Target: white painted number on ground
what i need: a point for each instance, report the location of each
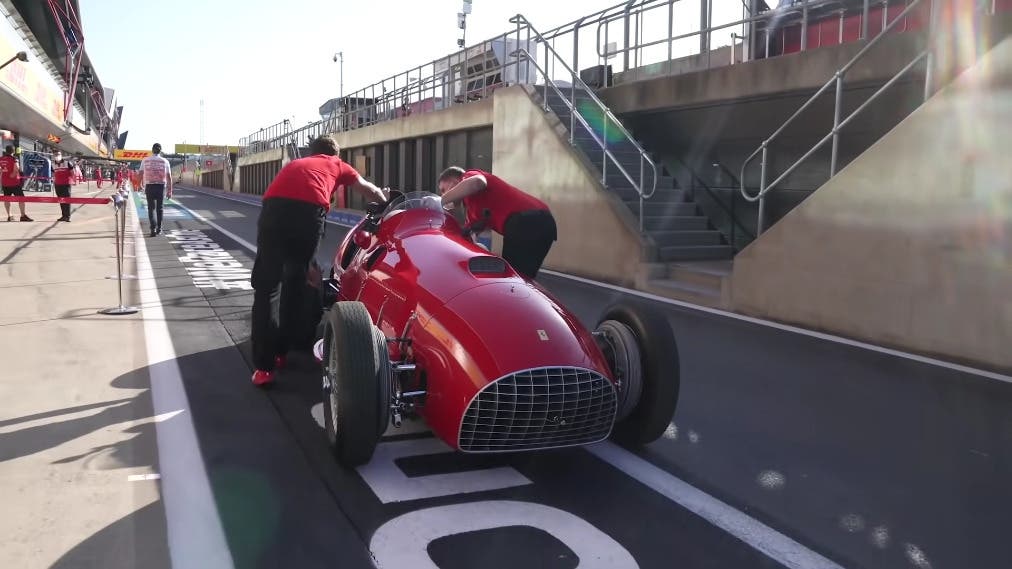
(404, 540)
(208, 264)
(390, 484)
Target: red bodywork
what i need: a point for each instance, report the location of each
(467, 330)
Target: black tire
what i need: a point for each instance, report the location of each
(353, 384)
(659, 364)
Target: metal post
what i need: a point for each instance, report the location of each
(576, 67)
(836, 123)
(517, 51)
(804, 25)
(929, 61)
(546, 75)
(671, 29)
(864, 19)
(885, 13)
(709, 34)
(702, 27)
(604, 154)
(642, 171)
(762, 191)
(119, 205)
(625, 51)
(840, 34)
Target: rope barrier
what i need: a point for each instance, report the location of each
(54, 199)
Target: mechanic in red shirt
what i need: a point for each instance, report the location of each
(63, 175)
(98, 176)
(289, 230)
(527, 226)
(10, 179)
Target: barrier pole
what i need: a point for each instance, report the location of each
(120, 205)
(120, 221)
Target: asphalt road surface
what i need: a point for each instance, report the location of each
(787, 449)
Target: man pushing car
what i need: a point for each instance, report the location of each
(289, 230)
(526, 224)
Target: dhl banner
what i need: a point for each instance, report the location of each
(204, 149)
(134, 155)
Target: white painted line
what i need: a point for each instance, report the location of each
(143, 477)
(758, 535)
(758, 321)
(789, 328)
(244, 202)
(227, 233)
(195, 534)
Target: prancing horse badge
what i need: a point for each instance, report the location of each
(543, 335)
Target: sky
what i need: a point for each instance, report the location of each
(257, 62)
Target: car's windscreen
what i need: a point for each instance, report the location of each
(414, 200)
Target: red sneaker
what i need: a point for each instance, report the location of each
(261, 377)
(279, 362)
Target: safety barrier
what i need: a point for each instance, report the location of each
(119, 201)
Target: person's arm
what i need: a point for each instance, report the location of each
(467, 187)
(369, 190)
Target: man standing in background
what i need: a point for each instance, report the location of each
(10, 179)
(63, 175)
(156, 176)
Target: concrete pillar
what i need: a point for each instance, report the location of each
(389, 164)
(439, 153)
(405, 166)
(425, 178)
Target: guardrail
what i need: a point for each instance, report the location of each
(577, 114)
(839, 123)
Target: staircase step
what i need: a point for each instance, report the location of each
(681, 238)
(664, 210)
(662, 195)
(617, 178)
(696, 252)
(677, 223)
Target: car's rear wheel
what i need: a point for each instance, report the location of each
(356, 383)
(641, 349)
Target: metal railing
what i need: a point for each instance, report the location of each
(599, 134)
(471, 75)
(759, 32)
(266, 138)
(838, 122)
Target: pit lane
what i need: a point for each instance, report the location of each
(751, 430)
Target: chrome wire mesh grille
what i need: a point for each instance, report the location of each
(539, 409)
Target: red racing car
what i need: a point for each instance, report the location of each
(421, 320)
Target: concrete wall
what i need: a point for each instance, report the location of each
(804, 71)
(911, 244)
(594, 240)
(454, 118)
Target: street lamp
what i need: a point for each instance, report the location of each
(19, 55)
(339, 57)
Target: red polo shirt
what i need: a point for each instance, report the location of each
(62, 174)
(9, 168)
(501, 199)
(312, 179)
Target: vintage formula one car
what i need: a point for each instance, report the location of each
(420, 320)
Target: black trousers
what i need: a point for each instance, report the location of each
(63, 192)
(156, 195)
(527, 238)
(288, 235)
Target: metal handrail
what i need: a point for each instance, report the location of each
(838, 124)
(606, 112)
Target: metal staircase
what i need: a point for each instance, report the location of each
(668, 216)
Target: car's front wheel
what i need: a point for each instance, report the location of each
(356, 383)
